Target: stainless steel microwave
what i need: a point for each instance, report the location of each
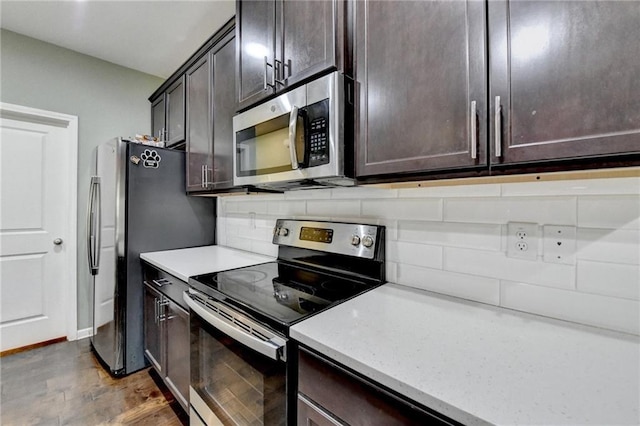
(297, 140)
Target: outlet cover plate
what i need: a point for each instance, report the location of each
(559, 244)
(522, 240)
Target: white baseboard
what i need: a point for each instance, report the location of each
(84, 333)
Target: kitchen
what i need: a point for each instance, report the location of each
(449, 236)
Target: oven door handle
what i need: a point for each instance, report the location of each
(266, 348)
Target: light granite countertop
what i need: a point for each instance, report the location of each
(480, 364)
(184, 263)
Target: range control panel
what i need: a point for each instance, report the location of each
(352, 239)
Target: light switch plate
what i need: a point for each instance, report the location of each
(559, 244)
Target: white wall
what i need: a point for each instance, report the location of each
(108, 99)
(452, 240)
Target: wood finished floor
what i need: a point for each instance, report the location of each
(63, 384)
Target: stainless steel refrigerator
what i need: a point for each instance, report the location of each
(137, 204)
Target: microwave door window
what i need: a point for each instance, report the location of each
(264, 148)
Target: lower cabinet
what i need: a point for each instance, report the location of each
(328, 394)
(166, 333)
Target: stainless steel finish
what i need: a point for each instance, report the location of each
(162, 304)
(343, 236)
(267, 65)
(330, 87)
(57, 241)
(498, 127)
(202, 178)
(355, 240)
(93, 226)
(293, 127)
(367, 241)
(237, 326)
(473, 129)
(161, 282)
(279, 69)
(202, 410)
(156, 315)
(318, 410)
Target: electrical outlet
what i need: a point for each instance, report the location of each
(559, 244)
(522, 240)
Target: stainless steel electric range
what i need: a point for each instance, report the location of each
(243, 364)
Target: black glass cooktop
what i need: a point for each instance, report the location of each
(277, 293)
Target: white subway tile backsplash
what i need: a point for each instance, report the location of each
(403, 209)
(423, 255)
(239, 243)
(391, 269)
(286, 209)
(308, 194)
(266, 248)
(596, 310)
(473, 235)
(452, 191)
(362, 192)
(609, 245)
(469, 287)
(498, 265)
(452, 240)
(238, 206)
(616, 212)
(609, 279)
(334, 208)
(629, 185)
(558, 211)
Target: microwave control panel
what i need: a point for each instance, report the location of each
(318, 133)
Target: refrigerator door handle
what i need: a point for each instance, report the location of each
(93, 226)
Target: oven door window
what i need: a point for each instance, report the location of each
(239, 385)
(265, 148)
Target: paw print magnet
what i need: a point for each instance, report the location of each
(150, 159)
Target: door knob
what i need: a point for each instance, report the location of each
(57, 241)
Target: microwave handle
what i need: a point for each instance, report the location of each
(293, 127)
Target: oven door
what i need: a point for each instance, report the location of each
(238, 368)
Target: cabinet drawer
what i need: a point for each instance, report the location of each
(166, 284)
(354, 400)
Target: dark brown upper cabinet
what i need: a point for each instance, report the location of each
(420, 68)
(283, 42)
(210, 109)
(564, 80)
(168, 114)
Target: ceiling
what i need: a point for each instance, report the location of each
(154, 37)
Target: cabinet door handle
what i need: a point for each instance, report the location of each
(473, 128)
(279, 68)
(155, 310)
(498, 128)
(202, 176)
(267, 65)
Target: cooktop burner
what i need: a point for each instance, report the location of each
(281, 293)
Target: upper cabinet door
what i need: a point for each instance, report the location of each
(567, 77)
(308, 33)
(224, 85)
(421, 76)
(157, 118)
(255, 39)
(199, 155)
(175, 112)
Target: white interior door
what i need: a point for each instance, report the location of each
(38, 172)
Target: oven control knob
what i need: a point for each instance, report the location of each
(367, 241)
(283, 232)
(355, 240)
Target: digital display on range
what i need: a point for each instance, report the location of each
(318, 235)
